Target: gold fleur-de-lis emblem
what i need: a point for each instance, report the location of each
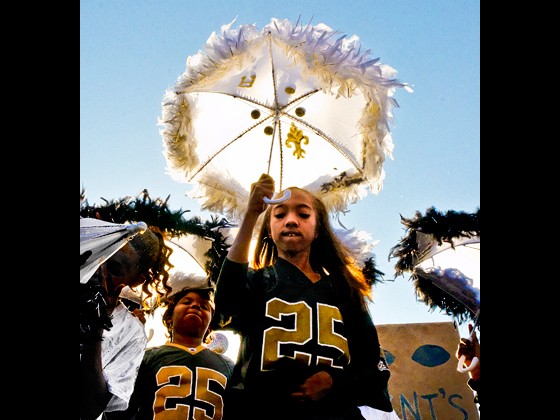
(296, 137)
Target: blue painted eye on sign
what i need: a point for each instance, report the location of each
(424, 382)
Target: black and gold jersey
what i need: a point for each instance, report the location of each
(292, 328)
(189, 383)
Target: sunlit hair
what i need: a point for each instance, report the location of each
(153, 264)
(170, 304)
(328, 253)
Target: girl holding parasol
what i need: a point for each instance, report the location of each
(309, 347)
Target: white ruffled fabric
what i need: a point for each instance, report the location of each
(370, 413)
(122, 352)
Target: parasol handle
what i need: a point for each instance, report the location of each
(460, 367)
(287, 195)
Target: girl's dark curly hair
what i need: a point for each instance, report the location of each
(154, 262)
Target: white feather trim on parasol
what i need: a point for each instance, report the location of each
(358, 242)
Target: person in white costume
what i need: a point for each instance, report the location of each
(113, 340)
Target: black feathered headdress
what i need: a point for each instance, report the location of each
(444, 287)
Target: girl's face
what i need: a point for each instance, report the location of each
(192, 315)
(293, 224)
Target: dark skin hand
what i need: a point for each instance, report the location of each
(139, 313)
(314, 388)
(470, 348)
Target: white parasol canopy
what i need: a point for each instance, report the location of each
(305, 104)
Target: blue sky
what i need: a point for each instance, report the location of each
(131, 52)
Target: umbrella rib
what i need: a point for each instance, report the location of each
(227, 145)
(281, 151)
(299, 98)
(317, 131)
(240, 97)
(276, 112)
(273, 71)
(325, 137)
